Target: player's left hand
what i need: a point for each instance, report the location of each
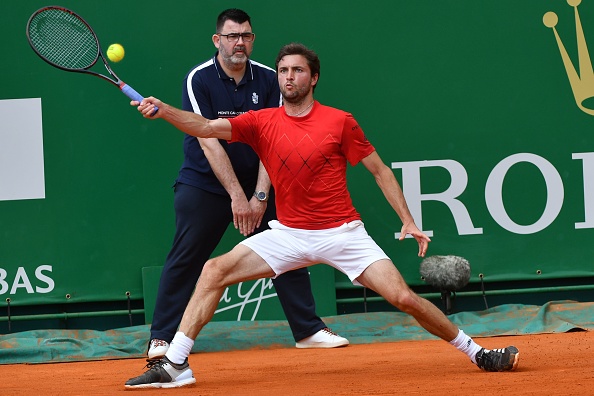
(422, 239)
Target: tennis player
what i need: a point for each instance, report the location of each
(305, 147)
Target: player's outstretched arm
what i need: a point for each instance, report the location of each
(186, 121)
(391, 188)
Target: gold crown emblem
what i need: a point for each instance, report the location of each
(582, 85)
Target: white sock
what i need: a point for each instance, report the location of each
(180, 348)
(465, 344)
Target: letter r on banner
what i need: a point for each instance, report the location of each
(411, 187)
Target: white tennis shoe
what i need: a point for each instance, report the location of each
(324, 338)
(157, 349)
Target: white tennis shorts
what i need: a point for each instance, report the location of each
(348, 248)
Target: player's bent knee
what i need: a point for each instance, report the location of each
(405, 300)
(212, 274)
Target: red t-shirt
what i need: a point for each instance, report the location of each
(306, 160)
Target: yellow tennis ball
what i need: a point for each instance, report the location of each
(115, 52)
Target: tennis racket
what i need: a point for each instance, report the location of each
(66, 41)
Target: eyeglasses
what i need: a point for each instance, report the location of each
(234, 37)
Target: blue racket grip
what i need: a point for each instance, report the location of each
(132, 94)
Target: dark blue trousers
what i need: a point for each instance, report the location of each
(201, 220)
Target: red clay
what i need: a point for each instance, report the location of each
(550, 364)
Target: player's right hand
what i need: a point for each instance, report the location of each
(148, 106)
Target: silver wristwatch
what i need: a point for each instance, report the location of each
(261, 196)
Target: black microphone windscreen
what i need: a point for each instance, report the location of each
(447, 273)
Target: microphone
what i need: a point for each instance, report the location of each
(446, 273)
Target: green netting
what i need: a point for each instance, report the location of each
(42, 346)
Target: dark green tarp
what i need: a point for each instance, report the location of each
(42, 346)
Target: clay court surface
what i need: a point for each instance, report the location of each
(550, 364)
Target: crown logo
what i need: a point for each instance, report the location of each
(582, 85)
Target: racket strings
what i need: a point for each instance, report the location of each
(63, 39)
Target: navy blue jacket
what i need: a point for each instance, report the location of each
(209, 92)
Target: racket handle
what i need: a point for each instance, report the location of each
(132, 94)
